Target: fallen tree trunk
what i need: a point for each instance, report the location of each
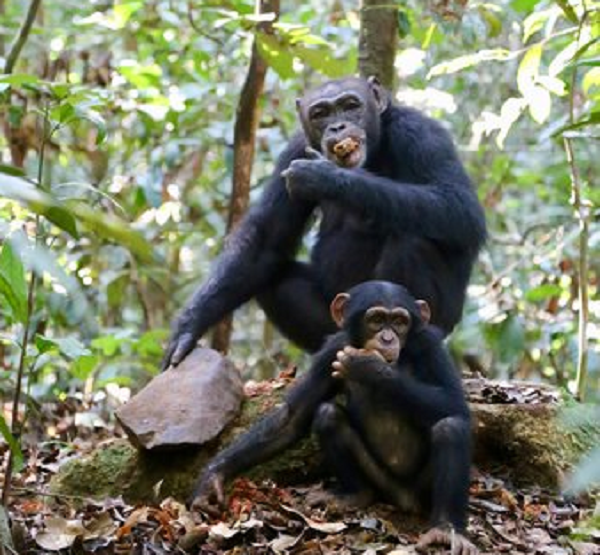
(517, 429)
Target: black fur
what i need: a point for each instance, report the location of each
(409, 216)
(402, 435)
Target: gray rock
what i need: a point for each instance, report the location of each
(186, 405)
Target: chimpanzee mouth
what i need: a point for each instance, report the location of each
(348, 152)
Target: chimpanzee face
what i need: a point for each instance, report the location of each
(379, 316)
(342, 119)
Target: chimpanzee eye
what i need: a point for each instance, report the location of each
(351, 104)
(319, 112)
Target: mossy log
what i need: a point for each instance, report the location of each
(525, 440)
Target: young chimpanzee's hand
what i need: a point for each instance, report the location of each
(350, 358)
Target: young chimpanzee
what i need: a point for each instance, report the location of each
(395, 205)
(402, 433)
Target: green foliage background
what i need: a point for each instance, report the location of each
(132, 105)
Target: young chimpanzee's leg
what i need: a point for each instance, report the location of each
(348, 457)
(451, 455)
(297, 307)
(450, 495)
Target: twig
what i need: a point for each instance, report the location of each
(21, 39)
(582, 215)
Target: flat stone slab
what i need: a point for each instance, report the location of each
(184, 406)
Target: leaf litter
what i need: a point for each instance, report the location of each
(265, 518)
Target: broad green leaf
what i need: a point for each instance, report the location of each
(534, 22)
(124, 9)
(276, 55)
(20, 79)
(540, 103)
(108, 344)
(529, 69)
(95, 119)
(592, 119)
(39, 202)
(511, 339)
(510, 112)
(104, 225)
(13, 286)
(13, 444)
(524, 5)
(323, 62)
(45, 344)
(591, 80)
(568, 11)
(83, 367)
(403, 24)
(71, 348)
(562, 59)
(543, 292)
(111, 228)
(470, 60)
(141, 76)
(12, 170)
(555, 85)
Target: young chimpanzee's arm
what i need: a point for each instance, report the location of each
(430, 392)
(276, 431)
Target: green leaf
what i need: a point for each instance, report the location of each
(276, 55)
(543, 292)
(529, 69)
(12, 170)
(71, 348)
(540, 104)
(534, 22)
(403, 24)
(106, 226)
(322, 61)
(13, 286)
(592, 119)
(524, 5)
(62, 218)
(45, 344)
(511, 339)
(20, 79)
(124, 9)
(13, 444)
(463, 62)
(83, 367)
(568, 11)
(591, 80)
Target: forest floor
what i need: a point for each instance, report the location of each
(262, 517)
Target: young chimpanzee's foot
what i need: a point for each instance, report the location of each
(458, 544)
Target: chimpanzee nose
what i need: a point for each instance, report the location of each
(387, 336)
(337, 127)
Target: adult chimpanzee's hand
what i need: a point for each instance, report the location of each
(309, 178)
(183, 340)
(209, 496)
(351, 358)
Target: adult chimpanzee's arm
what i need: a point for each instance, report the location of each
(264, 241)
(439, 203)
(277, 430)
(430, 393)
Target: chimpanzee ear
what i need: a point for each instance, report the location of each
(337, 308)
(382, 97)
(424, 310)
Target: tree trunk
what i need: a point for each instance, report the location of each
(246, 124)
(378, 41)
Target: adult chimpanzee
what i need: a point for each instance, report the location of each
(395, 204)
(402, 431)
